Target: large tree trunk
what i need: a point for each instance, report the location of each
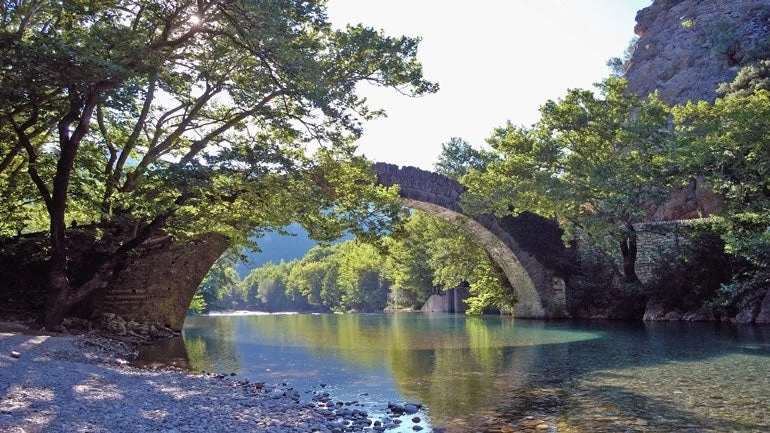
(628, 249)
(57, 306)
(62, 297)
(69, 143)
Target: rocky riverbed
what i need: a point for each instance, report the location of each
(82, 383)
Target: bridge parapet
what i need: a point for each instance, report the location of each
(422, 185)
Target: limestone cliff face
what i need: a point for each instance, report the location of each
(686, 48)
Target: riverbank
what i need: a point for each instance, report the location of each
(82, 383)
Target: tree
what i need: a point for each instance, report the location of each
(407, 263)
(457, 259)
(749, 79)
(431, 253)
(594, 163)
(360, 277)
(619, 65)
(184, 117)
(222, 283)
(458, 157)
(266, 287)
(727, 142)
(311, 275)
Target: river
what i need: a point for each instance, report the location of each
(497, 374)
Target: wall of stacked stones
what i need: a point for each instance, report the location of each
(659, 244)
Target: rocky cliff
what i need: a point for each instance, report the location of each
(686, 48)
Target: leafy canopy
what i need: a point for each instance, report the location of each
(190, 108)
(727, 143)
(593, 162)
(458, 158)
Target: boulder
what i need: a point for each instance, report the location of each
(654, 311)
(746, 313)
(763, 317)
(702, 314)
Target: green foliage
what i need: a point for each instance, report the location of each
(727, 142)
(221, 287)
(342, 277)
(721, 34)
(742, 286)
(593, 163)
(266, 287)
(431, 252)
(750, 78)
(407, 264)
(490, 288)
(358, 276)
(458, 157)
(198, 304)
(619, 65)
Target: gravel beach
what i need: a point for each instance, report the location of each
(67, 383)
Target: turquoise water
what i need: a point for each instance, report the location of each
(494, 373)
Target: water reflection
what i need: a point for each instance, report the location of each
(494, 373)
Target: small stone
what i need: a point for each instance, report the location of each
(541, 427)
(15, 354)
(416, 419)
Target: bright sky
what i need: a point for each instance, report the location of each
(495, 60)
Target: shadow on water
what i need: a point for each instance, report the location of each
(497, 374)
(639, 377)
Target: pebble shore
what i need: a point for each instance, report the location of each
(82, 383)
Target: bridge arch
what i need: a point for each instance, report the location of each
(540, 292)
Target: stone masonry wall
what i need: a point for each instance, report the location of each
(160, 282)
(656, 243)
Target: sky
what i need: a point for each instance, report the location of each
(495, 61)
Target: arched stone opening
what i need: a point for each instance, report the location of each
(541, 293)
(529, 303)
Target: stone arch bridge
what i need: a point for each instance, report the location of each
(160, 282)
(510, 241)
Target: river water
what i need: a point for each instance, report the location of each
(497, 374)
